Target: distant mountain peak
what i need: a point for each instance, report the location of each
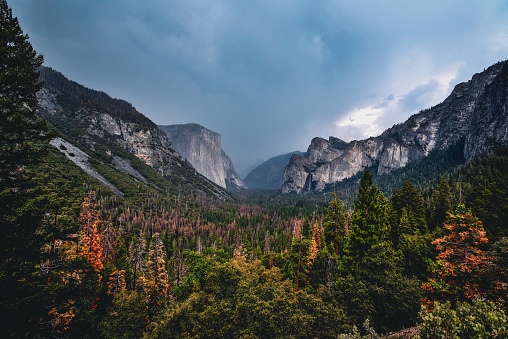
(99, 123)
(203, 149)
(474, 115)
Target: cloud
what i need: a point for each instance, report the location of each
(270, 75)
(386, 101)
(362, 121)
(419, 96)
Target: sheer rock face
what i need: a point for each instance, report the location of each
(475, 113)
(92, 118)
(203, 149)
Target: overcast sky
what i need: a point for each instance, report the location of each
(269, 75)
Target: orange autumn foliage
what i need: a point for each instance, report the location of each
(90, 240)
(314, 246)
(460, 262)
(116, 283)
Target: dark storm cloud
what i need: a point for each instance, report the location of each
(270, 75)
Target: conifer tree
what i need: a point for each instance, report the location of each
(441, 203)
(90, 240)
(334, 225)
(20, 129)
(22, 136)
(315, 246)
(369, 221)
(156, 280)
(408, 213)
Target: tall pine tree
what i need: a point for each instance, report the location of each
(335, 226)
(21, 132)
(441, 204)
(409, 212)
(22, 136)
(369, 224)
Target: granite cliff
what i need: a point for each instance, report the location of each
(475, 114)
(203, 149)
(97, 122)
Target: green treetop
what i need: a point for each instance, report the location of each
(21, 139)
(369, 223)
(20, 129)
(409, 212)
(334, 225)
(441, 204)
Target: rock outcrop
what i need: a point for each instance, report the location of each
(203, 149)
(92, 118)
(112, 128)
(475, 114)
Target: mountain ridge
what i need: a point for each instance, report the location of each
(98, 123)
(476, 105)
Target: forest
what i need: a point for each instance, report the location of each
(416, 253)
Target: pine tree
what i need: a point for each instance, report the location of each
(21, 132)
(22, 136)
(334, 225)
(369, 221)
(116, 283)
(90, 240)
(441, 203)
(315, 246)
(408, 212)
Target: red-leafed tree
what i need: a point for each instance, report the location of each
(90, 240)
(461, 262)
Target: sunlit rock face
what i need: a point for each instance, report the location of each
(203, 149)
(475, 114)
(94, 119)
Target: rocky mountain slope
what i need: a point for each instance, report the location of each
(475, 114)
(268, 175)
(112, 127)
(203, 149)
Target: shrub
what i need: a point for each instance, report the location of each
(355, 334)
(477, 320)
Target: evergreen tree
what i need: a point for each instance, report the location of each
(489, 203)
(410, 209)
(22, 136)
(379, 291)
(156, 281)
(21, 132)
(306, 229)
(369, 221)
(334, 225)
(441, 204)
(409, 229)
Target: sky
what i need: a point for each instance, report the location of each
(270, 75)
